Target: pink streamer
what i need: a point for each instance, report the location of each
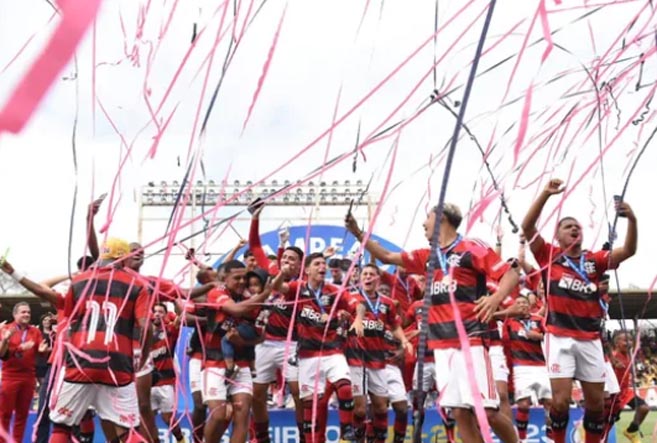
(265, 69)
(524, 122)
(546, 30)
(78, 15)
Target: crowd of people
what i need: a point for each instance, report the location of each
(498, 332)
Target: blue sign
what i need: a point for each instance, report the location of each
(283, 428)
(316, 238)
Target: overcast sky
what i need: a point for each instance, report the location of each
(329, 58)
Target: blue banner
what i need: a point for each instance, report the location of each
(316, 238)
(283, 428)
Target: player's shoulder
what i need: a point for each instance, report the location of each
(389, 300)
(330, 288)
(475, 245)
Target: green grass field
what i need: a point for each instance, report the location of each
(647, 426)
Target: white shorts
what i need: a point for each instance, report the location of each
(147, 368)
(315, 371)
(272, 356)
(217, 388)
(162, 398)
(452, 378)
(611, 382)
(195, 380)
(428, 376)
(568, 357)
(369, 381)
(531, 381)
(396, 387)
(115, 404)
(498, 362)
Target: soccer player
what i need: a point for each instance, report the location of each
(225, 304)
(573, 345)
(19, 344)
(530, 377)
(321, 343)
(621, 359)
(106, 307)
(159, 289)
(165, 336)
(276, 352)
(464, 267)
(366, 352)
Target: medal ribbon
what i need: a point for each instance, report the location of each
(442, 256)
(374, 308)
(317, 295)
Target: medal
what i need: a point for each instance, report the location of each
(447, 280)
(592, 287)
(324, 318)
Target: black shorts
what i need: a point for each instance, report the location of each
(636, 402)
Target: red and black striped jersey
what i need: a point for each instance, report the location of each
(371, 349)
(473, 262)
(316, 337)
(414, 312)
(163, 353)
(218, 324)
(404, 290)
(524, 351)
(105, 307)
(574, 309)
(279, 318)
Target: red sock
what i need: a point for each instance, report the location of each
(87, 424)
(369, 430)
(322, 417)
(522, 420)
(309, 432)
(60, 434)
(594, 424)
(401, 422)
(262, 431)
(345, 402)
(380, 427)
(559, 425)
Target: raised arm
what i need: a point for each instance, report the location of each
(231, 255)
(255, 246)
(41, 291)
(536, 242)
(374, 248)
(618, 255)
(92, 240)
(53, 281)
